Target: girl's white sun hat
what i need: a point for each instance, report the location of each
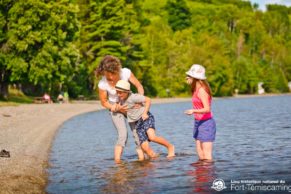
(197, 71)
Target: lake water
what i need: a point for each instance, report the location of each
(253, 143)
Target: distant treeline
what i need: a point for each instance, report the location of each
(53, 46)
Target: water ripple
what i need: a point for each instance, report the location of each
(253, 142)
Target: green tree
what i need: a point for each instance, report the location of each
(106, 30)
(179, 16)
(158, 40)
(38, 42)
(110, 27)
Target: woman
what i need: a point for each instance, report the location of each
(204, 127)
(111, 71)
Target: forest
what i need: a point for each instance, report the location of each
(55, 45)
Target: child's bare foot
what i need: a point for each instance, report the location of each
(154, 155)
(171, 151)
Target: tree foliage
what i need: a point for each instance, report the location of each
(37, 42)
(179, 16)
(58, 44)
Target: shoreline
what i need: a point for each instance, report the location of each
(28, 132)
(257, 95)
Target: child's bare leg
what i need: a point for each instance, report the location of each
(138, 149)
(140, 154)
(162, 141)
(148, 150)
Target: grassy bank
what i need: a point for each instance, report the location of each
(15, 98)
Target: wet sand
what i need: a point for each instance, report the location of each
(27, 131)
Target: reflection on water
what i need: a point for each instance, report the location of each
(203, 175)
(128, 178)
(252, 143)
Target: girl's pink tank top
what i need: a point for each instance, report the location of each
(197, 104)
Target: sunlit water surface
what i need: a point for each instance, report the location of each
(253, 142)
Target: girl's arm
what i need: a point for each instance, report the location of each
(136, 83)
(204, 96)
(206, 106)
(146, 108)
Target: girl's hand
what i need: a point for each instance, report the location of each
(145, 116)
(189, 80)
(137, 105)
(189, 112)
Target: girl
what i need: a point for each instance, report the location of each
(204, 127)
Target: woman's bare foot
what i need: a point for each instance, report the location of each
(118, 161)
(171, 151)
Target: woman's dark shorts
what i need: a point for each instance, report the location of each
(143, 125)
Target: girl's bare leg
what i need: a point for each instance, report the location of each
(199, 150)
(162, 141)
(148, 150)
(207, 150)
(140, 154)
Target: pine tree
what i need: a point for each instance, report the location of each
(179, 15)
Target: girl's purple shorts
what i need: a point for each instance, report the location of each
(204, 130)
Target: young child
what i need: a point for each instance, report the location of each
(205, 126)
(142, 119)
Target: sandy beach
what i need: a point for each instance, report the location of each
(27, 132)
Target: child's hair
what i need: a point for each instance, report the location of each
(204, 84)
(110, 64)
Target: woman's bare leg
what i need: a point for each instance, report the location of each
(117, 153)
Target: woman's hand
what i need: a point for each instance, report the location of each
(189, 112)
(113, 107)
(122, 108)
(145, 116)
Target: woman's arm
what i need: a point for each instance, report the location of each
(136, 83)
(104, 101)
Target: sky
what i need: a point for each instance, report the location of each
(262, 3)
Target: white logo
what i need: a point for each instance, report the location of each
(218, 185)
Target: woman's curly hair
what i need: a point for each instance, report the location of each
(110, 64)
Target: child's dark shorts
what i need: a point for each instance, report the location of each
(142, 126)
(204, 130)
